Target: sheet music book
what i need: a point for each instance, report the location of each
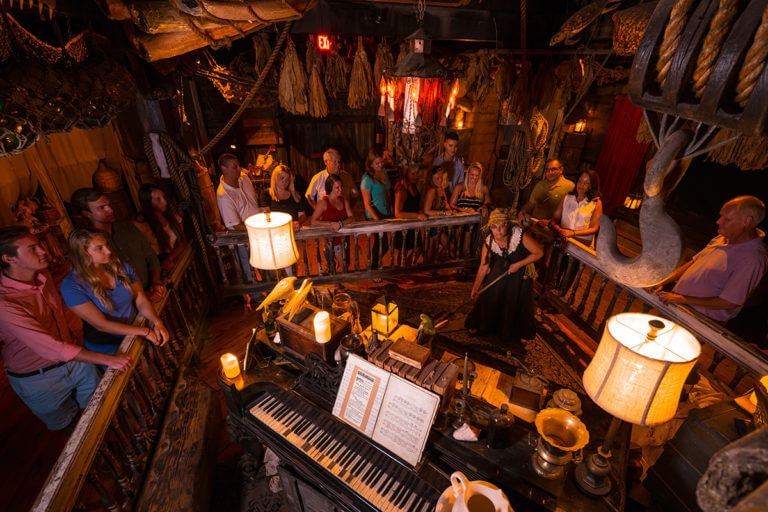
(392, 411)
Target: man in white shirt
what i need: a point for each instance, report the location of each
(316, 189)
(235, 195)
(237, 201)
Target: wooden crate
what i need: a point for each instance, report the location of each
(299, 338)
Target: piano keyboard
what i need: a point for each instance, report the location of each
(383, 482)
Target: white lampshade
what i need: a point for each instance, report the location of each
(271, 239)
(636, 377)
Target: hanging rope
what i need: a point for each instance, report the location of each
(754, 62)
(251, 94)
(713, 42)
(677, 20)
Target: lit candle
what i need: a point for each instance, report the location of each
(230, 366)
(322, 327)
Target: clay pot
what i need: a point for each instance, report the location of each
(107, 179)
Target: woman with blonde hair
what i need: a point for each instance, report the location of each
(282, 196)
(471, 196)
(106, 294)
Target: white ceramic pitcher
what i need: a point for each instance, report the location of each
(477, 496)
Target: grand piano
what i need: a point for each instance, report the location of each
(282, 403)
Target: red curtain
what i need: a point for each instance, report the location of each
(621, 157)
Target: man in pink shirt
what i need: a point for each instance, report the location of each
(47, 369)
(720, 278)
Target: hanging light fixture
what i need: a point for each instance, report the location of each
(271, 238)
(412, 96)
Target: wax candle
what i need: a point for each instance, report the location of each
(322, 327)
(230, 366)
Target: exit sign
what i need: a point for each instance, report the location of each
(323, 42)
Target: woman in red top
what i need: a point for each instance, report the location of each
(333, 211)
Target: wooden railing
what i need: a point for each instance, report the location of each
(103, 463)
(579, 287)
(359, 261)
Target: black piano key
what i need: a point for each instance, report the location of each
(268, 407)
(383, 478)
(400, 496)
(388, 487)
(302, 426)
(370, 473)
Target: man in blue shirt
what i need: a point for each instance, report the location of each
(450, 146)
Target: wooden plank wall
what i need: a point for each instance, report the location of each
(484, 122)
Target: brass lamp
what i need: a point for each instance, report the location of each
(636, 375)
(271, 239)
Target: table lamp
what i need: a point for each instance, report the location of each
(636, 375)
(271, 239)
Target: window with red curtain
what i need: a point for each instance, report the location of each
(621, 157)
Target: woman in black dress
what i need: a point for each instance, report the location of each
(506, 308)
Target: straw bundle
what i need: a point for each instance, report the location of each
(384, 60)
(361, 80)
(505, 77)
(402, 51)
(478, 76)
(335, 73)
(643, 135)
(318, 105)
(293, 83)
(312, 56)
(261, 51)
(749, 153)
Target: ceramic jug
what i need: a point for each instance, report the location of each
(477, 496)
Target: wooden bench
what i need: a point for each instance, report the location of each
(179, 476)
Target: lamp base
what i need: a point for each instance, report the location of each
(593, 475)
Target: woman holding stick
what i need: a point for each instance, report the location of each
(505, 306)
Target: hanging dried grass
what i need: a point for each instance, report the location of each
(749, 153)
(293, 83)
(479, 76)
(335, 73)
(261, 50)
(361, 79)
(643, 135)
(402, 51)
(384, 60)
(505, 77)
(312, 56)
(520, 98)
(318, 105)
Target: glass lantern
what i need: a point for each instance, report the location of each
(384, 316)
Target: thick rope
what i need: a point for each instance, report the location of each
(678, 17)
(251, 94)
(754, 62)
(713, 42)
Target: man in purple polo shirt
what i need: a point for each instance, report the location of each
(719, 279)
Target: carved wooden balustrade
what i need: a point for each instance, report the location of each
(576, 285)
(103, 463)
(356, 264)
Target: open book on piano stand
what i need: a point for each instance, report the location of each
(392, 411)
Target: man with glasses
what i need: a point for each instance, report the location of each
(547, 194)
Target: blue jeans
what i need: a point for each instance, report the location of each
(56, 395)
